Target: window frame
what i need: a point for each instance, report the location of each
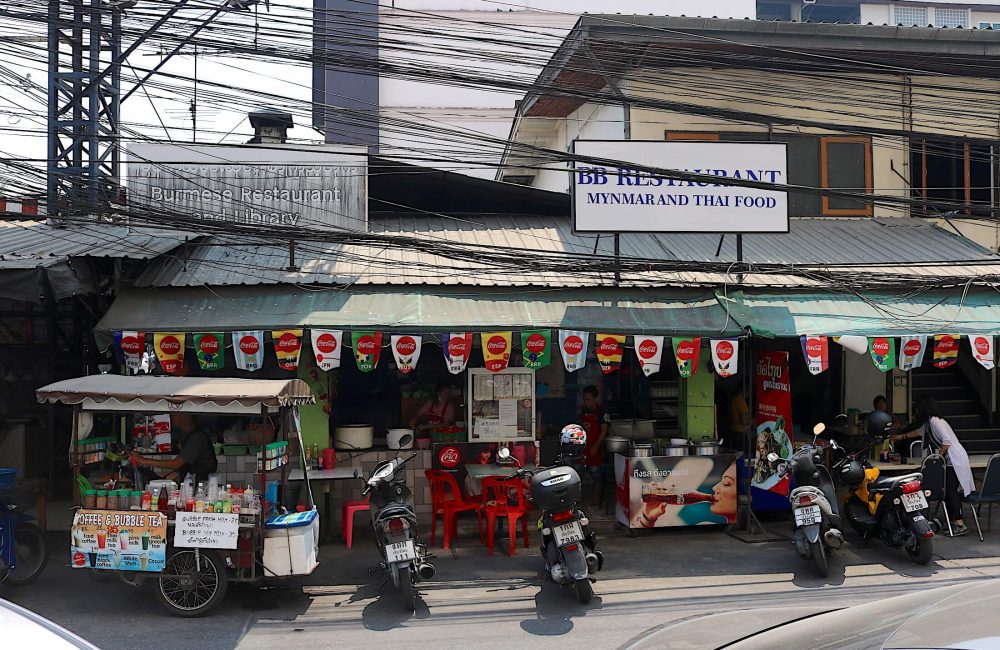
(965, 22)
(869, 208)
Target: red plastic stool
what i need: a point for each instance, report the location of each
(351, 508)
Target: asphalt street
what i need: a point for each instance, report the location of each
(498, 601)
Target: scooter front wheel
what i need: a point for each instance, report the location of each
(922, 553)
(819, 558)
(31, 554)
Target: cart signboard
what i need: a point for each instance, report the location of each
(125, 540)
(206, 530)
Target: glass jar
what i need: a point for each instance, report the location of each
(102, 500)
(135, 500)
(90, 499)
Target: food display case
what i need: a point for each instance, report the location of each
(501, 405)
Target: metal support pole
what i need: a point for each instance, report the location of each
(739, 256)
(618, 261)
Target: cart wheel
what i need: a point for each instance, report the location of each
(188, 590)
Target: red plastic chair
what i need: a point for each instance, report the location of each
(447, 499)
(351, 508)
(505, 497)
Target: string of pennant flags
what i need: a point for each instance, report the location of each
(536, 350)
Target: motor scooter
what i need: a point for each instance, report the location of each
(814, 503)
(23, 549)
(569, 546)
(394, 519)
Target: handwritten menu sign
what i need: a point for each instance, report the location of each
(124, 540)
(206, 530)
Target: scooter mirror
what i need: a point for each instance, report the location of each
(503, 453)
(772, 457)
(834, 445)
(819, 428)
(357, 473)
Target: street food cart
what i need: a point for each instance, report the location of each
(193, 545)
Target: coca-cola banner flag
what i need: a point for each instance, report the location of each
(132, 345)
(210, 350)
(326, 348)
(496, 350)
(457, 348)
(287, 347)
(686, 353)
(535, 348)
(883, 351)
(649, 351)
(573, 347)
(911, 352)
(169, 348)
(816, 351)
(406, 351)
(982, 350)
(726, 356)
(610, 349)
(248, 348)
(945, 350)
(773, 393)
(367, 346)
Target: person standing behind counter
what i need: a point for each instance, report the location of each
(196, 453)
(436, 412)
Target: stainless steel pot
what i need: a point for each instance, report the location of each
(642, 450)
(706, 448)
(616, 445)
(674, 450)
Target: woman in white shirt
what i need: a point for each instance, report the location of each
(939, 437)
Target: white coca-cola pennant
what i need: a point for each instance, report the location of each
(726, 356)
(911, 352)
(248, 348)
(326, 346)
(982, 349)
(406, 351)
(133, 344)
(573, 347)
(649, 350)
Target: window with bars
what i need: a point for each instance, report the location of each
(910, 16)
(951, 17)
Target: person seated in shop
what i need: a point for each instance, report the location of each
(436, 412)
(195, 456)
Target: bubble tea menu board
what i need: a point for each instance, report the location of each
(125, 540)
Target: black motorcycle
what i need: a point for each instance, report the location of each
(394, 519)
(569, 546)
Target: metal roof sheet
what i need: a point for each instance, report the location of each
(899, 246)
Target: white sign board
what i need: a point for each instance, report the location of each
(616, 197)
(274, 186)
(206, 530)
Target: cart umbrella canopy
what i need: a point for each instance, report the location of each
(145, 393)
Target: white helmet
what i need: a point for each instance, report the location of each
(573, 434)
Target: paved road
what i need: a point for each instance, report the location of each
(498, 601)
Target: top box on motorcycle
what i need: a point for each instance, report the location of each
(556, 488)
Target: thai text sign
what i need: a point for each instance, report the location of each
(618, 197)
(206, 530)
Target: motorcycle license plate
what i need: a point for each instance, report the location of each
(401, 551)
(568, 533)
(807, 516)
(914, 501)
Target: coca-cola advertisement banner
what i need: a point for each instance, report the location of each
(287, 347)
(911, 352)
(406, 351)
(816, 351)
(945, 350)
(883, 351)
(773, 395)
(610, 349)
(248, 349)
(496, 350)
(649, 351)
(664, 491)
(536, 348)
(209, 348)
(455, 457)
(326, 346)
(132, 346)
(367, 347)
(457, 348)
(686, 353)
(169, 348)
(982, 349)
(573, 348)
(726, 356)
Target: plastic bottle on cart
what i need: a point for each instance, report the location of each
(237, 497)
(162, 499)
(147, 500)
(199, 498)
(227, 499)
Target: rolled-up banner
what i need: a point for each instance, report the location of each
(883, 351)
(982, 349)
(132, 345)
(248, 349)
(816, 352)
(911, 352)
(536, 348)
(573, 347)
(610, 348)
(649, 351)
(726, 356)
(209, 349)
(687, 352)
(367, 347)
(287, 347)
(406, 351)
(169, 348)
(457, 348)
(856, 344)
(945, 350)
(496, 350)
(326, 345)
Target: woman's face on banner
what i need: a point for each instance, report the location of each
(725, 495)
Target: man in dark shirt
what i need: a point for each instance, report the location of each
(196, 453)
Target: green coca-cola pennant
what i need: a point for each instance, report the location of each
(367, 346)
(210, 349)
(883, 351)
(536, 348)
